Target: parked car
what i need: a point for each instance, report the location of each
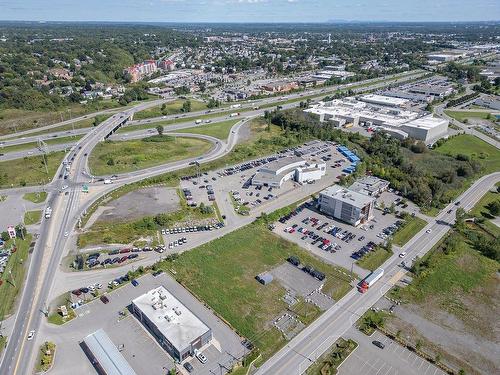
(200, 356)
(188, 367)
(104, 299)
(134, 282)
(378, 344)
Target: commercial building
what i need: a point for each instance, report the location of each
(139, 71)
(276, 173)
(104, 355)
(488, 101)
(174, 326)
(397, 122)
(280, 86)
(436, 91)
(386, 101)
(349, 206)
(370, 185)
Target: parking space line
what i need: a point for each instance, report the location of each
(428, 367)
(416, 359)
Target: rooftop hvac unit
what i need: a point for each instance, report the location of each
(167, 318)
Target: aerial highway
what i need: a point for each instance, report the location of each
(317, 338)
(19, 355)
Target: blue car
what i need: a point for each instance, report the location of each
(134, 282)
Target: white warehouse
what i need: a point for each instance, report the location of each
(388, 117)
(276, 173)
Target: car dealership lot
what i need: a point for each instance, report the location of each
(341, 250)
(394, 359)
(140, 348)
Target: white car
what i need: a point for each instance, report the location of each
(31, 335)
(200, 356)
(402, 255)
(66, 234)
(64, 187)
(428, 231)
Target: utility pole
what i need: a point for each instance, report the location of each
(42, 146)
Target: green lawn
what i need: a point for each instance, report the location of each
(171, 109)
(37, 197)
(218, 130)
(13, 275)
(222, 274)
(462, 115)
(125, 156)
(29, 170)
(484, 153)
(374, 259)
(460, 282)
(480, 210)
(412, 226)
(126, 232)
(32, 217)
(32, 145)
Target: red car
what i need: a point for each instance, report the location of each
(104, 299)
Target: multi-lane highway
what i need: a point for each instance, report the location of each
(19, 354)
(314, 340)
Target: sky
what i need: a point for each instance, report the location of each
(250, 10)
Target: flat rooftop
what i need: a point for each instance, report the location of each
(386, 100)
(427, 122)
(282, 163)
(174, 320)
(107, 354)
(347, 196)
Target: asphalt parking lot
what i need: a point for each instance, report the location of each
(394, 359)
(344, 250)
(140, 348)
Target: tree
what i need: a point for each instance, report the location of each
(460, 215)
(5, 236)
(160, 129)
(186, 106)
(494, 208)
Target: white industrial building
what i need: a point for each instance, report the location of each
(386, 101)
(175, 327)
(276, 173)
(396, 121)
(347, 205)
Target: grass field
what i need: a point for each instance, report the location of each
(127, 232)
(374, 259)
(484, 153)
(29, 170)
(38, 197)
(480, 210)
(13, 275)
(462, 282)
(125, 156)
(412, 226)
(32, 217)
(172, 108)
(462, 115)
(218, 130)
(222, 274)
(32, 145)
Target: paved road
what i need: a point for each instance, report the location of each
(439, 110)
(313, 341)
(20, 354)
(27, 133)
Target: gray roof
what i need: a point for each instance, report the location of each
(106, 353)
(368, 184)
(174, 320)
(281, 163)
(347, 196)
